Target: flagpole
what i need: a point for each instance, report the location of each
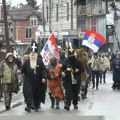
(44, 22)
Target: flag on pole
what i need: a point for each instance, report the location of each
(50, 49)
(93, 40)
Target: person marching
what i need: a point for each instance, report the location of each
(54, 82)
(34, 80)
(71, 72)
(95, 65)
(84, 75)
(104, 66)
(9, 79)
(116, 72)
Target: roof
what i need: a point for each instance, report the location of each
(23, 12)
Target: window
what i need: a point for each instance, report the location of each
(82, 22)
(11, 30)
(67, 11)
(33, 21)
(28, 33)
(57, 12)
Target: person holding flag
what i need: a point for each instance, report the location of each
(50, 49)
(94, 41)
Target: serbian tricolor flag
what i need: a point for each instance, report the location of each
(93, 40)
(50, 49)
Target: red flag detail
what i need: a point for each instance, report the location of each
(52, 39)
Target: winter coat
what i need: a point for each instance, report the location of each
(105, 64)
(7, 74)
(95, 64)
(9, 79)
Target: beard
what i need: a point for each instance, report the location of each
(33, 60)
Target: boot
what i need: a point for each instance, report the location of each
(104, 81)
(7, 107)
(93, 87)
(39, 107)
(83, 95)
(113, 87)
(78, 98)
(36, 110)
(32, 105)
(57, 103)
(28, 109)
(75, 107)
(52, 100)
(67, 107)
(97, 88)
(52, 103)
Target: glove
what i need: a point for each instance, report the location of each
(43, 80)
(63, 74)
(76, 70)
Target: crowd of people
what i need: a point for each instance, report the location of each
(66, 79)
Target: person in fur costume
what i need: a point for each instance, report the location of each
(84, 75)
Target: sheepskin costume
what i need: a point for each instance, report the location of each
(80, 55)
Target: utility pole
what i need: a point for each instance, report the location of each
(6, 25)
(107, 37)
(44, 22)
(116, 22)
(71, 14)
(50, 16)
(114, 7)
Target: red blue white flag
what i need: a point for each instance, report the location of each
(50, 49)
(93, 40)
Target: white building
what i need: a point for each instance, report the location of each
(61, 18)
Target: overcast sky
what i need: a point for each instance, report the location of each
(15, 2)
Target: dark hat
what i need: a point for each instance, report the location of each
(70, 51)
(34, 46)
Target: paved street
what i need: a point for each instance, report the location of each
(103, 102)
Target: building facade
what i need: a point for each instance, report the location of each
(23, 24)
(70, 21)
(60, 17)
